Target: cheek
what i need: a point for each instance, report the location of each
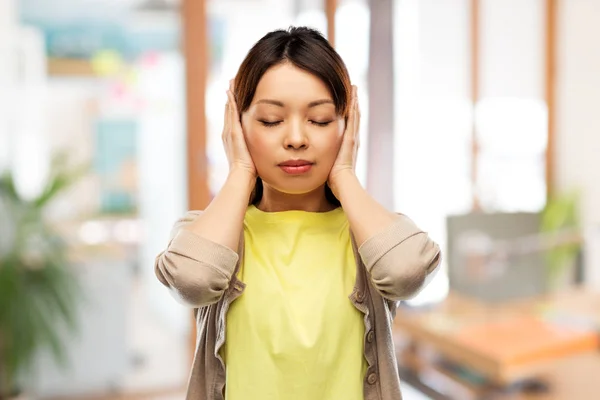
(256, 145)
(334, 138)
(253, 137)
(260, 146)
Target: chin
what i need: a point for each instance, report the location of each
(294, 188)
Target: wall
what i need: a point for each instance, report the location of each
(578, 118)
(7, 26)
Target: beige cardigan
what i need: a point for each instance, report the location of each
(393, 265)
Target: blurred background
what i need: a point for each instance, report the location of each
(480, 121)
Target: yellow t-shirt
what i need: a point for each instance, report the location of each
(294, 334)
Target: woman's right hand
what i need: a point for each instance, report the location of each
(233, 139)
(222, 220)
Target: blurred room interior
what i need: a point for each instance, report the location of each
(479, 120)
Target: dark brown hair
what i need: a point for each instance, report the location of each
(306, 49)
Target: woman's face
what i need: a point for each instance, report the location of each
(292, 130)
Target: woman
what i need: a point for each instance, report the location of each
(295, 290)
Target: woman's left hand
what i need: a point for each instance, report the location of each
(346, 158)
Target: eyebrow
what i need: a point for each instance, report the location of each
(280, 104)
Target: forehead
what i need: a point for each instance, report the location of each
(290, 84)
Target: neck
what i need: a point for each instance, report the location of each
(274, 201)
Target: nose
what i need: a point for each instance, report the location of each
(295, 137)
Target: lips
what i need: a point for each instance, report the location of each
(295, 163)
(296, 167)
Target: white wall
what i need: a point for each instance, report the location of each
(578, 113)
(7, 27)
(162, 177)
(433, 114)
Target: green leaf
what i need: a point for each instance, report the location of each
(60, 180)
(39, 294)
(561, 213)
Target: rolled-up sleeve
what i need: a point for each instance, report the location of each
(195, 269)
(400, 259)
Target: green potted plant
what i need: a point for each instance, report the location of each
(38, 291)
(560, 218)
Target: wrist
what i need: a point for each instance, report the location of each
(241, 179)
(343, 183)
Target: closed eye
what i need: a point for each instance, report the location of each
(321, 123)
(269, 124)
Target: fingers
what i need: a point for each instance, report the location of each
(234, 121)
(354, 101)
(230, 109)
(353, 108)
(229, 113)
(226, 124)
(353, 122)
(356, 118)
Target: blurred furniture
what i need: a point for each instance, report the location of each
(572, 378)
(466, 349)
(500, 256)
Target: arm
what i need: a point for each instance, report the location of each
(397, 254)
(201, 256)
